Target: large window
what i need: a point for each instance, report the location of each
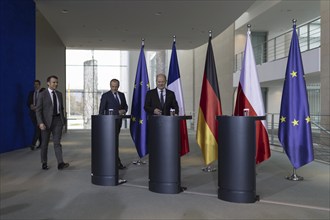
(88, 75)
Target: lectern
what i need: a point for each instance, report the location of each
(236, 155)
(105, 149)
(164, 144)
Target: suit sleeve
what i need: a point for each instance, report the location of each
(175, 104)
(124, 103)
(148, 104)
(39, 116)
(63, 115)
(103, 105)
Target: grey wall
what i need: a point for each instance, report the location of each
(50, 54)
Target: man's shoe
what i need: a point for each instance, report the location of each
(38, 147)
(121, 181)
(32, 147)
(121, 167)
(45, 166)
(183, 188)
(62, 165)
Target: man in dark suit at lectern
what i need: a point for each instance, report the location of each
(160, 101)
(114, 101)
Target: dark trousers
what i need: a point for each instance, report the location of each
(37, 131)
(118, 126)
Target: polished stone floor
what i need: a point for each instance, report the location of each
(28, 192)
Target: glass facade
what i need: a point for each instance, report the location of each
(88, 75)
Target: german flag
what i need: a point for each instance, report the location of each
(209, 108)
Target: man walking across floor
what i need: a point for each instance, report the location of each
(50, 119)
(32, 104)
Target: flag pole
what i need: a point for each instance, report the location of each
(294, 176)
(249, 28)
(246, 110)
(209, 168)
(294, 21)
(139, 161)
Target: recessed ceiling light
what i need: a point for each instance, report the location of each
(158, 13)
(64, 11)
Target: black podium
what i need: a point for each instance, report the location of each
(164, 144)
(105, 149)
(236, 158)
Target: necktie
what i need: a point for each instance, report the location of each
(116, 97)
(161, 99)
(54, 103)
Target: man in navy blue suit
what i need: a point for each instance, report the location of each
(116, 101)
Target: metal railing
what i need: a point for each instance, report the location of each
(320, 135)
(278, 47)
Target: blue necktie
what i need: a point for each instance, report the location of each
(116, 97)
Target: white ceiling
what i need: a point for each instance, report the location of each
(276, 16)
(121, 24)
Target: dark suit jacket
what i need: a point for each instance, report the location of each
(44, 111)
(152, 102)
(108, 101)
(30, 98)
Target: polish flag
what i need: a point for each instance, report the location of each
(249, 97)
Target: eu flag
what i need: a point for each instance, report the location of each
(295, 123)
(138, 125)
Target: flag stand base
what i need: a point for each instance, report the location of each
(139, 162)
(294, 176)
(209, 169)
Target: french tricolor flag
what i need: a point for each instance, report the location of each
(174, 84)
